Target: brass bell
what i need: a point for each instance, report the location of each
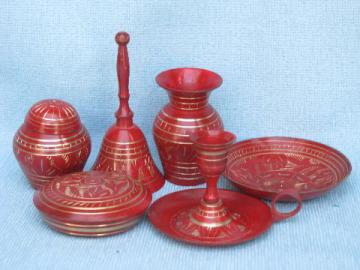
(124, 148)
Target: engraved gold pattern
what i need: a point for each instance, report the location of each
(81, 191)
(57, 108)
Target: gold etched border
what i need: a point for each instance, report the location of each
(167, 132)
(159, 118)
(188, 119)
(78, 134)
(170, 141)
(123, 143)
(49, 147)
(54, 125)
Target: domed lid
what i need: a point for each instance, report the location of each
(93, 197)
(52, 116)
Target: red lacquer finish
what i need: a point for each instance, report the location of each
(188, 112)
(264, 167)
(124, 148)
(92, 203)
(51, 142)
(211, 217)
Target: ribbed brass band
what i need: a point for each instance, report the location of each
(93, 229)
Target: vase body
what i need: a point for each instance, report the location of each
(187, 114)
(51, 142)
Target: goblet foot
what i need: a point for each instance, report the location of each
(210, 220)
(185, 217)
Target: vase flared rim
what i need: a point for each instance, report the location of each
(189, 80)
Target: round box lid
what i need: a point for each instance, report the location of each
(52, 116)
(93, 203)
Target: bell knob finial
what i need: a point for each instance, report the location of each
(122, 38)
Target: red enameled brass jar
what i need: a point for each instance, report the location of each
(92, 203)
(187, 113)
(51, 142)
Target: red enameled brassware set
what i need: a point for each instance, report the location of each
(52, 147)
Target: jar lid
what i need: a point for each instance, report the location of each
(52, 116)
(93, 203)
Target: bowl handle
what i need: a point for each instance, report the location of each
(278, 216)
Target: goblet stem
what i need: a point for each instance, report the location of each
(211, 193)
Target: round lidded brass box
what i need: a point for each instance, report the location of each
(93, 203)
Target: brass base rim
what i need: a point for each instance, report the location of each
(95, 230)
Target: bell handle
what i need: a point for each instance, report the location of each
(124, 114)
